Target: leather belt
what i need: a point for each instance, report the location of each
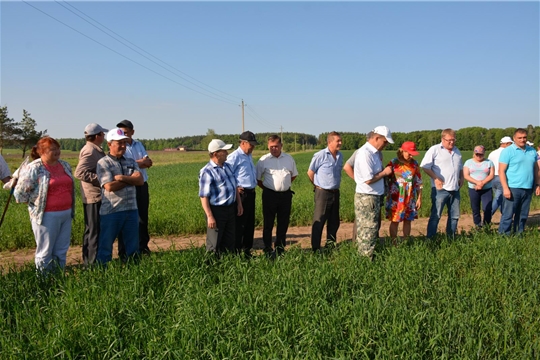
(329, 190)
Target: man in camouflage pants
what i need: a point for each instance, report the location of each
(369, 177)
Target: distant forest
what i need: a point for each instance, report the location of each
(467, 139)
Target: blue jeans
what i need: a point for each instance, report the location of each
(497, 196)
(484, 198)
(440, 198)
(515, 211)
(111, 226)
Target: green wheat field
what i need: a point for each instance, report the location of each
(475, 296)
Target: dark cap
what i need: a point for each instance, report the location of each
(249, 137)
(125, 124)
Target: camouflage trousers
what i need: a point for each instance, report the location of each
(368, 213)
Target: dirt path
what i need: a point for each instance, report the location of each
(298, 236)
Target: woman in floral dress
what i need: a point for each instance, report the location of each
(404, 190)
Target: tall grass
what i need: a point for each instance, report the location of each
(474, 297)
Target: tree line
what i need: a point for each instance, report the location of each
(22, 134)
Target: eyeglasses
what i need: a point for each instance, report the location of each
(449, 140)
(479, 154)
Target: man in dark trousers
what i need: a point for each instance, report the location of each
(241, 162)
(136, 151)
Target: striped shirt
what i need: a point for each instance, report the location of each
(119, 200)
(218, 184)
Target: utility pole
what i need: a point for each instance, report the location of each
(294, 142)
(281, 127)
(242, 115)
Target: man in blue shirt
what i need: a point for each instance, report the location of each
(325, 174)
(518, 172)
(136, 151)
(218, 192)
(241, 162)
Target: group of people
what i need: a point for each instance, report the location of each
(114, 193)
(227, 189)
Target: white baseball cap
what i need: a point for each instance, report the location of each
(530, 143)
(384, 131)
(116, 134)
(216, 145)
(506, 139)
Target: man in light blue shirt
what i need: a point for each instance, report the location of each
(135, 150)
(442, 163)
(241, 162)
(325, 174)
(518, 172)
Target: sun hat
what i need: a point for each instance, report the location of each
(409, 147)
(116, 134)
(94, 129)
(384, 131)
(479, 149)
(506, 139)
(216, 145)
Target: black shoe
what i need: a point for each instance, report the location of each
(146, 251)
(248, 254)
(330, 244)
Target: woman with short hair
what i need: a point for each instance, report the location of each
(47, 187)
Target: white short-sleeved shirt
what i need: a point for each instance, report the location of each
(494, 157)
(447, 165)
(4, 168)
(367, 164)
(276, 173)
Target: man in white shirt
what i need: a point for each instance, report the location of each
(275, 173)
(442, 163)
(496, 182)
(369, 176)
(5, 174)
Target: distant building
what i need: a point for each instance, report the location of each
(178, 148)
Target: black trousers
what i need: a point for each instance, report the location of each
(222, 238)
(276, 204)
(143, 203)
(326, 211)
(91, 232)
(245, 224)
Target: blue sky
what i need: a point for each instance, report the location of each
(308, 67)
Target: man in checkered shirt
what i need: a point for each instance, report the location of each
(118, 177)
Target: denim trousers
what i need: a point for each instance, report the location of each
(440, 199)
(497, 195)
(515, 211)
(481, 198)
(111, 226)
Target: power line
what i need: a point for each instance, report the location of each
(138, 52)
(122, 55)
(259, 119)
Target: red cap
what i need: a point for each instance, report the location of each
(409, 147)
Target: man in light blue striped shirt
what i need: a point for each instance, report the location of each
(218, 192)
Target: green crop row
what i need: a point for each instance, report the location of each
(175, 206)
(474, 297)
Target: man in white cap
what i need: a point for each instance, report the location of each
(218, 192)
(118, 177)
(369, 176)
(89, 156)
(496, 182)
(443, 164)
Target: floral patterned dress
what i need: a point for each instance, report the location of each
(403, 187)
